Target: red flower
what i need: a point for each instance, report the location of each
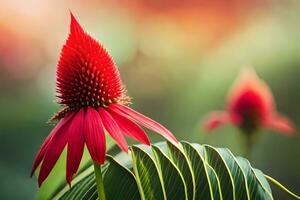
(94, 99)
(250, 106)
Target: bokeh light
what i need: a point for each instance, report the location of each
(177, 58)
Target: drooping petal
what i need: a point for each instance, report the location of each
(130, 129)
(113, 129)
(75, 144)
(215, 120)
(94, 135)
(281, 124)
(41, 153)
(54, 149)
(145, 121)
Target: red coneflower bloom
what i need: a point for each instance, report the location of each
(250, 106)
(94, 99)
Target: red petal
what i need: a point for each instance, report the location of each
(94, 135)
(145, 121)
(41, 153)
(55, 147)
(281, 124)
(113, 129)
(214, 120)
(75, 145)
(130, 129)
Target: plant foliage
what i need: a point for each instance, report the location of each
(166, 171)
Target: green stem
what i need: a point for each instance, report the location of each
(249, 143)
(282, 187)
(99, 181)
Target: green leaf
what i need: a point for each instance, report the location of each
(181, 161)
(166, 171)
(146, 171)
(256, 189)
(120, 182)
(217, 162)
(203, 189)
(215, 183)
(82, 189)
(236, 173)
(172, 178)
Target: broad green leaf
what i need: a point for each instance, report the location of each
(215, 183)
(256, 190)
(217, 162)
(165, 171)
(236, 172)
(83, 185)
(82, 189)
(181, 161)
(120, 182)
(203, 188)
(147, 175)
(172, 178)
(262, 180)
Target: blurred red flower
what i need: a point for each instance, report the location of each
(250, 106)
(94, 99)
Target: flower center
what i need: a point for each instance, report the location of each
(250, 109)
(86, 74)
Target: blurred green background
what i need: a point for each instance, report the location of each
(177, 59)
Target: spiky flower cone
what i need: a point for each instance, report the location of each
(94, 100)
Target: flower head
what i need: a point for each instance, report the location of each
(250, 106)
(94, 100)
